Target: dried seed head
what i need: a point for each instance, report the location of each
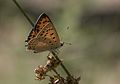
(40, 72)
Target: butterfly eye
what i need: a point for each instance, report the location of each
(62, 44)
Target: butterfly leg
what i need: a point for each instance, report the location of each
(35, 51)
(56, 51)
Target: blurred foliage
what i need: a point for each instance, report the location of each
(93, 31)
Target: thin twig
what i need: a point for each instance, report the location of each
(56, 72)
(21, 9)
(62, 65)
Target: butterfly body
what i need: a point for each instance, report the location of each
(43, 36)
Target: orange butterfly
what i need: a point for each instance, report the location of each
(43, 36)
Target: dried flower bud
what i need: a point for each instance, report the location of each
(52, 63)
(40, 72)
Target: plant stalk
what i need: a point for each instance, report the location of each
(21, 9)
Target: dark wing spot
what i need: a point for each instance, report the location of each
(41, 19)
(55, 41)
(46, 33)
(37, 30)
(43, 31)
(39, 22)
(51, 33)
(37, 26)
(44, 38)
(45, 21)
(41, 34)
(49, 41)
(33, 36)
(53, 37)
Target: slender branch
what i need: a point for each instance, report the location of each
(62, 65)
(61, 78)
(56, 72)
(21, 9)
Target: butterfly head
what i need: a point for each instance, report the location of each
(65, 43)
(62, 43)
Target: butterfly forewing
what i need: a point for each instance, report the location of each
(49, 35)
(40, 23)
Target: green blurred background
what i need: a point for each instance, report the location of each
(94, 31)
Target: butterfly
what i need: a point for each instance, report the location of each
(43, 36)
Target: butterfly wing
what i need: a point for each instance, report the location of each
(40, 23)
(46, 37)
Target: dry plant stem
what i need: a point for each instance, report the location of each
(56, 72)
(30, 21)
(62, 65)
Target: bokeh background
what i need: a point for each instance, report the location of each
(94, 31)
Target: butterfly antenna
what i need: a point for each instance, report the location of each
(67, 43)
(68, 27)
